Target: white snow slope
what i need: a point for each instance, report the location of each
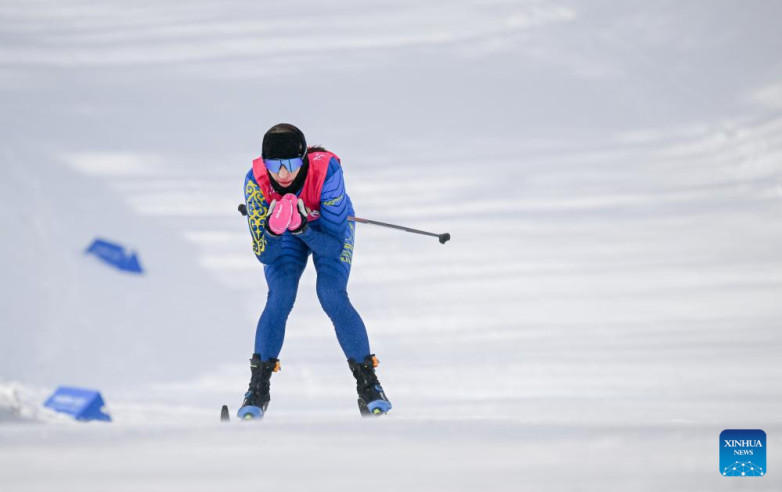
(610, 172)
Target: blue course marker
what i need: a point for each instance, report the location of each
(81, 404)
(114, 254)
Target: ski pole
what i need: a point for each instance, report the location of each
(442, 237)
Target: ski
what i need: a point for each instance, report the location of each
(373, 409)
(250, 412)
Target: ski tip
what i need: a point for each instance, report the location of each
(379, 407)
(225, 416)
(250, 413)
(373, 409)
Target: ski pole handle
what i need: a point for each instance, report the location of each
(443, 238)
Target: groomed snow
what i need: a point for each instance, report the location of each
(610, 173)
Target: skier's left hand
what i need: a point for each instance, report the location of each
(303, 212)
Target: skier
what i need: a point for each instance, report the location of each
(296, 205)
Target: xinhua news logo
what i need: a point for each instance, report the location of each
(743, 453)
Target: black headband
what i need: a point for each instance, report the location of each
(283, 145)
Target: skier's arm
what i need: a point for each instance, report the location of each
(267, 247)
(329, 238)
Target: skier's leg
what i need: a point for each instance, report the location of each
(331, 286)
(333, 275)
(282, 278)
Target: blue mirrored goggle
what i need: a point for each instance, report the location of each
(291, 165)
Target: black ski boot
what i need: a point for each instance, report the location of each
(257, 397)
(371, 398)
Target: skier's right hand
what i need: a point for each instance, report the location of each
(278, 217)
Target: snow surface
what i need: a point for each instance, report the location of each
(610, 172)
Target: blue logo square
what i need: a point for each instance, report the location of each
(743, 453)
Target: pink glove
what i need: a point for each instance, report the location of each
(296, 217)
(280, 215)
(300, 212)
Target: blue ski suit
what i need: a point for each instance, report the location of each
(330, 240)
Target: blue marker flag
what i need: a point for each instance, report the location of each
(114, 255)
(82, 404)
